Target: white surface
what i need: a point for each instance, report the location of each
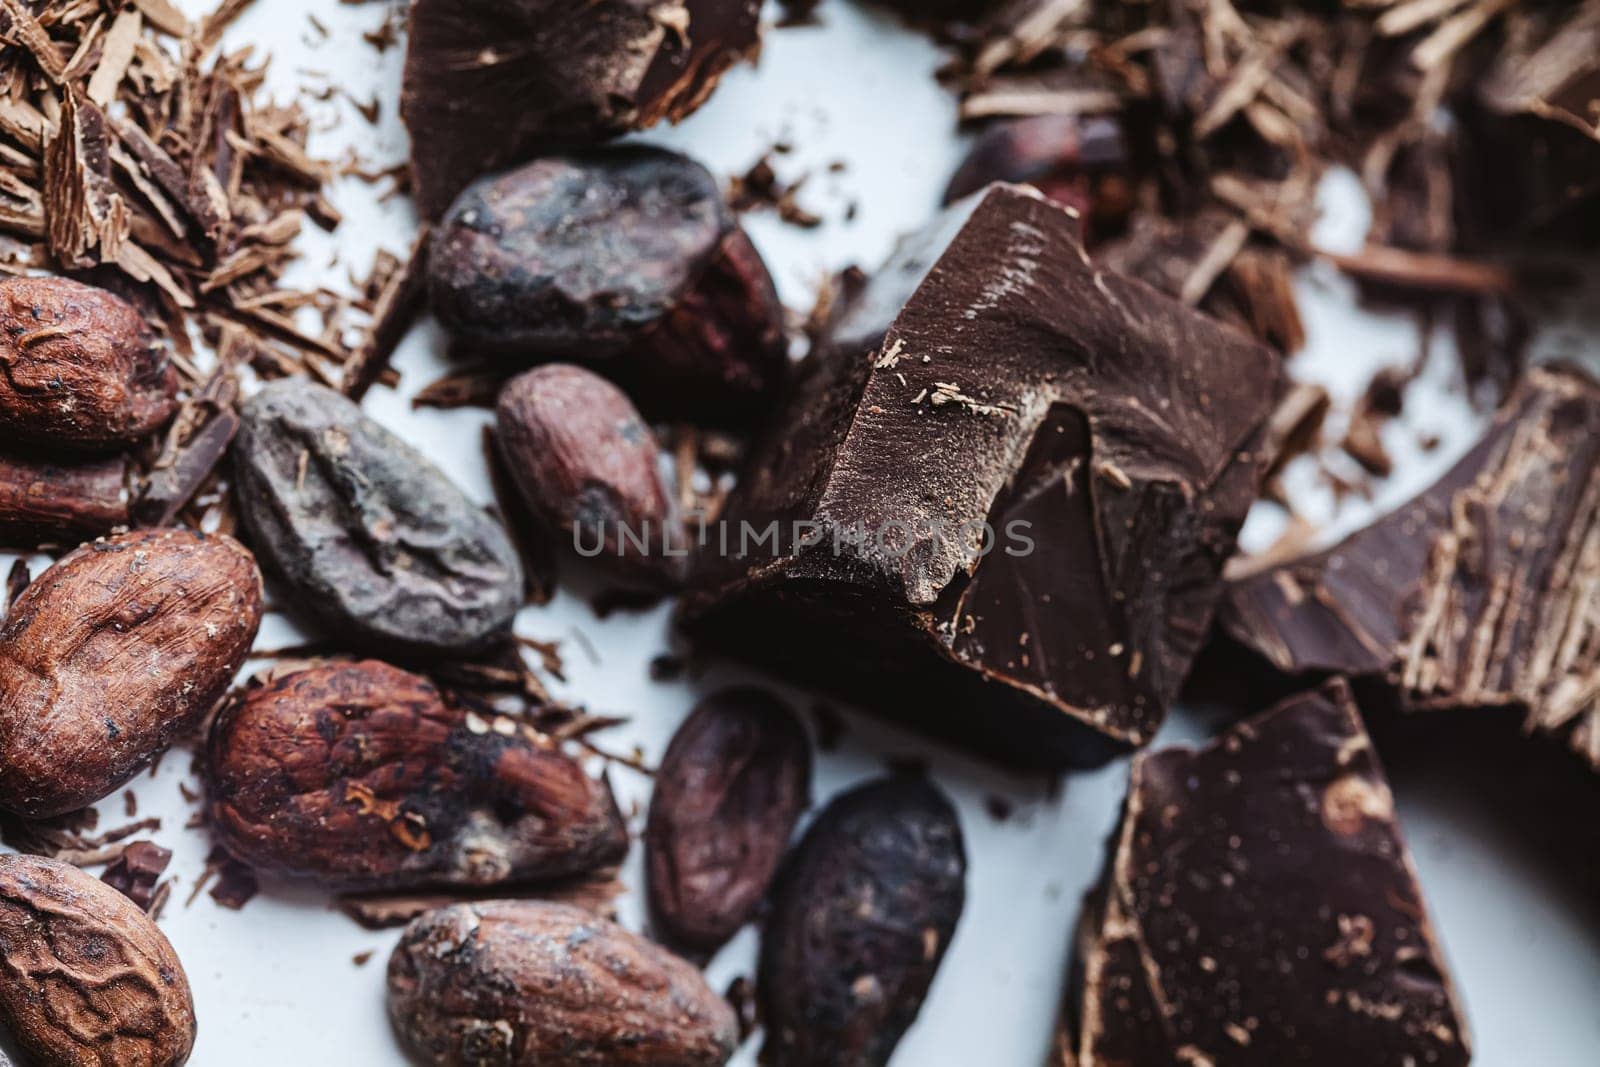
(275, 984)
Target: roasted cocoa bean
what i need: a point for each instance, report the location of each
(727, 796)
(1079, 161)
(361, 775)
(588, 466)
(519, 983)
(580, 73)
(110, 654)
(90, 980)
(79, 368)
(43, 500)
(863, 913)
(374, 540)
(625, 259)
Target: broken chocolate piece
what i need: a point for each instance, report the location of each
(1259, 908)
(625, 260)
(1478, 594)
(135, 873)
(492, 82)
(992, 388)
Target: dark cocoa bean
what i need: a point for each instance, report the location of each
(90, 980)
(862, 916)
(113, 652)
(374, 540)
(361, 775)
(519, 983)
(79, 368)
(728, 793)
(43, 500)
(1079, 161)
(580, 72)
(624, 259)
(588, 466)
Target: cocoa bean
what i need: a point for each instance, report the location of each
(90, 980)
(374, 541)
(524, 983)
(362, 776)
(626, 260)
(588, 467)
(727, 796)
(108, 655)
(79, 368)
(861, 918)
(42, 500)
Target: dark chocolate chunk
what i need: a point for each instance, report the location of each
(135, 873)
(1483, 592)
(492, 82)
(1259, 908)
(991, 373)
(623, 259)
(375, 541)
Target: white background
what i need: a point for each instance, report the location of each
(276, 984)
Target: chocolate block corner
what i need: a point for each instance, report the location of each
(1259, 908)
(999, 496)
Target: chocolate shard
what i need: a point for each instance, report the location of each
(578, 71)
(1480, 593)
(1259, 908)
(992, 374)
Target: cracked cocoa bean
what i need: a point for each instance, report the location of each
(863, 913)
(363, 776)
(79, 368)
(375, 541)
(727, 796)
(520, 983)
(588, 467)
(42, 499)
(626, 260)
(90, 980)
(113, 652)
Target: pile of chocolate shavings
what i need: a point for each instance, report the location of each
(1474, 125)
(135, 155)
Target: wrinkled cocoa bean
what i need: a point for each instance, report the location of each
(79, 368)
(863, 913)
(580, 73)
(588, 467)
(113, 652)
(524, 983)
(626, 260)
(375, 541)
(42, 500)
(727, 796)
(90, 980)
(362, 776)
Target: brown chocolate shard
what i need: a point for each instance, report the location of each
(993, 374)
(1260, 908)
(1480, 593)
(579, 72)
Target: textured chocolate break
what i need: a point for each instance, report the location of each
(1259, 909)
(1483, 592)
(992, 372)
